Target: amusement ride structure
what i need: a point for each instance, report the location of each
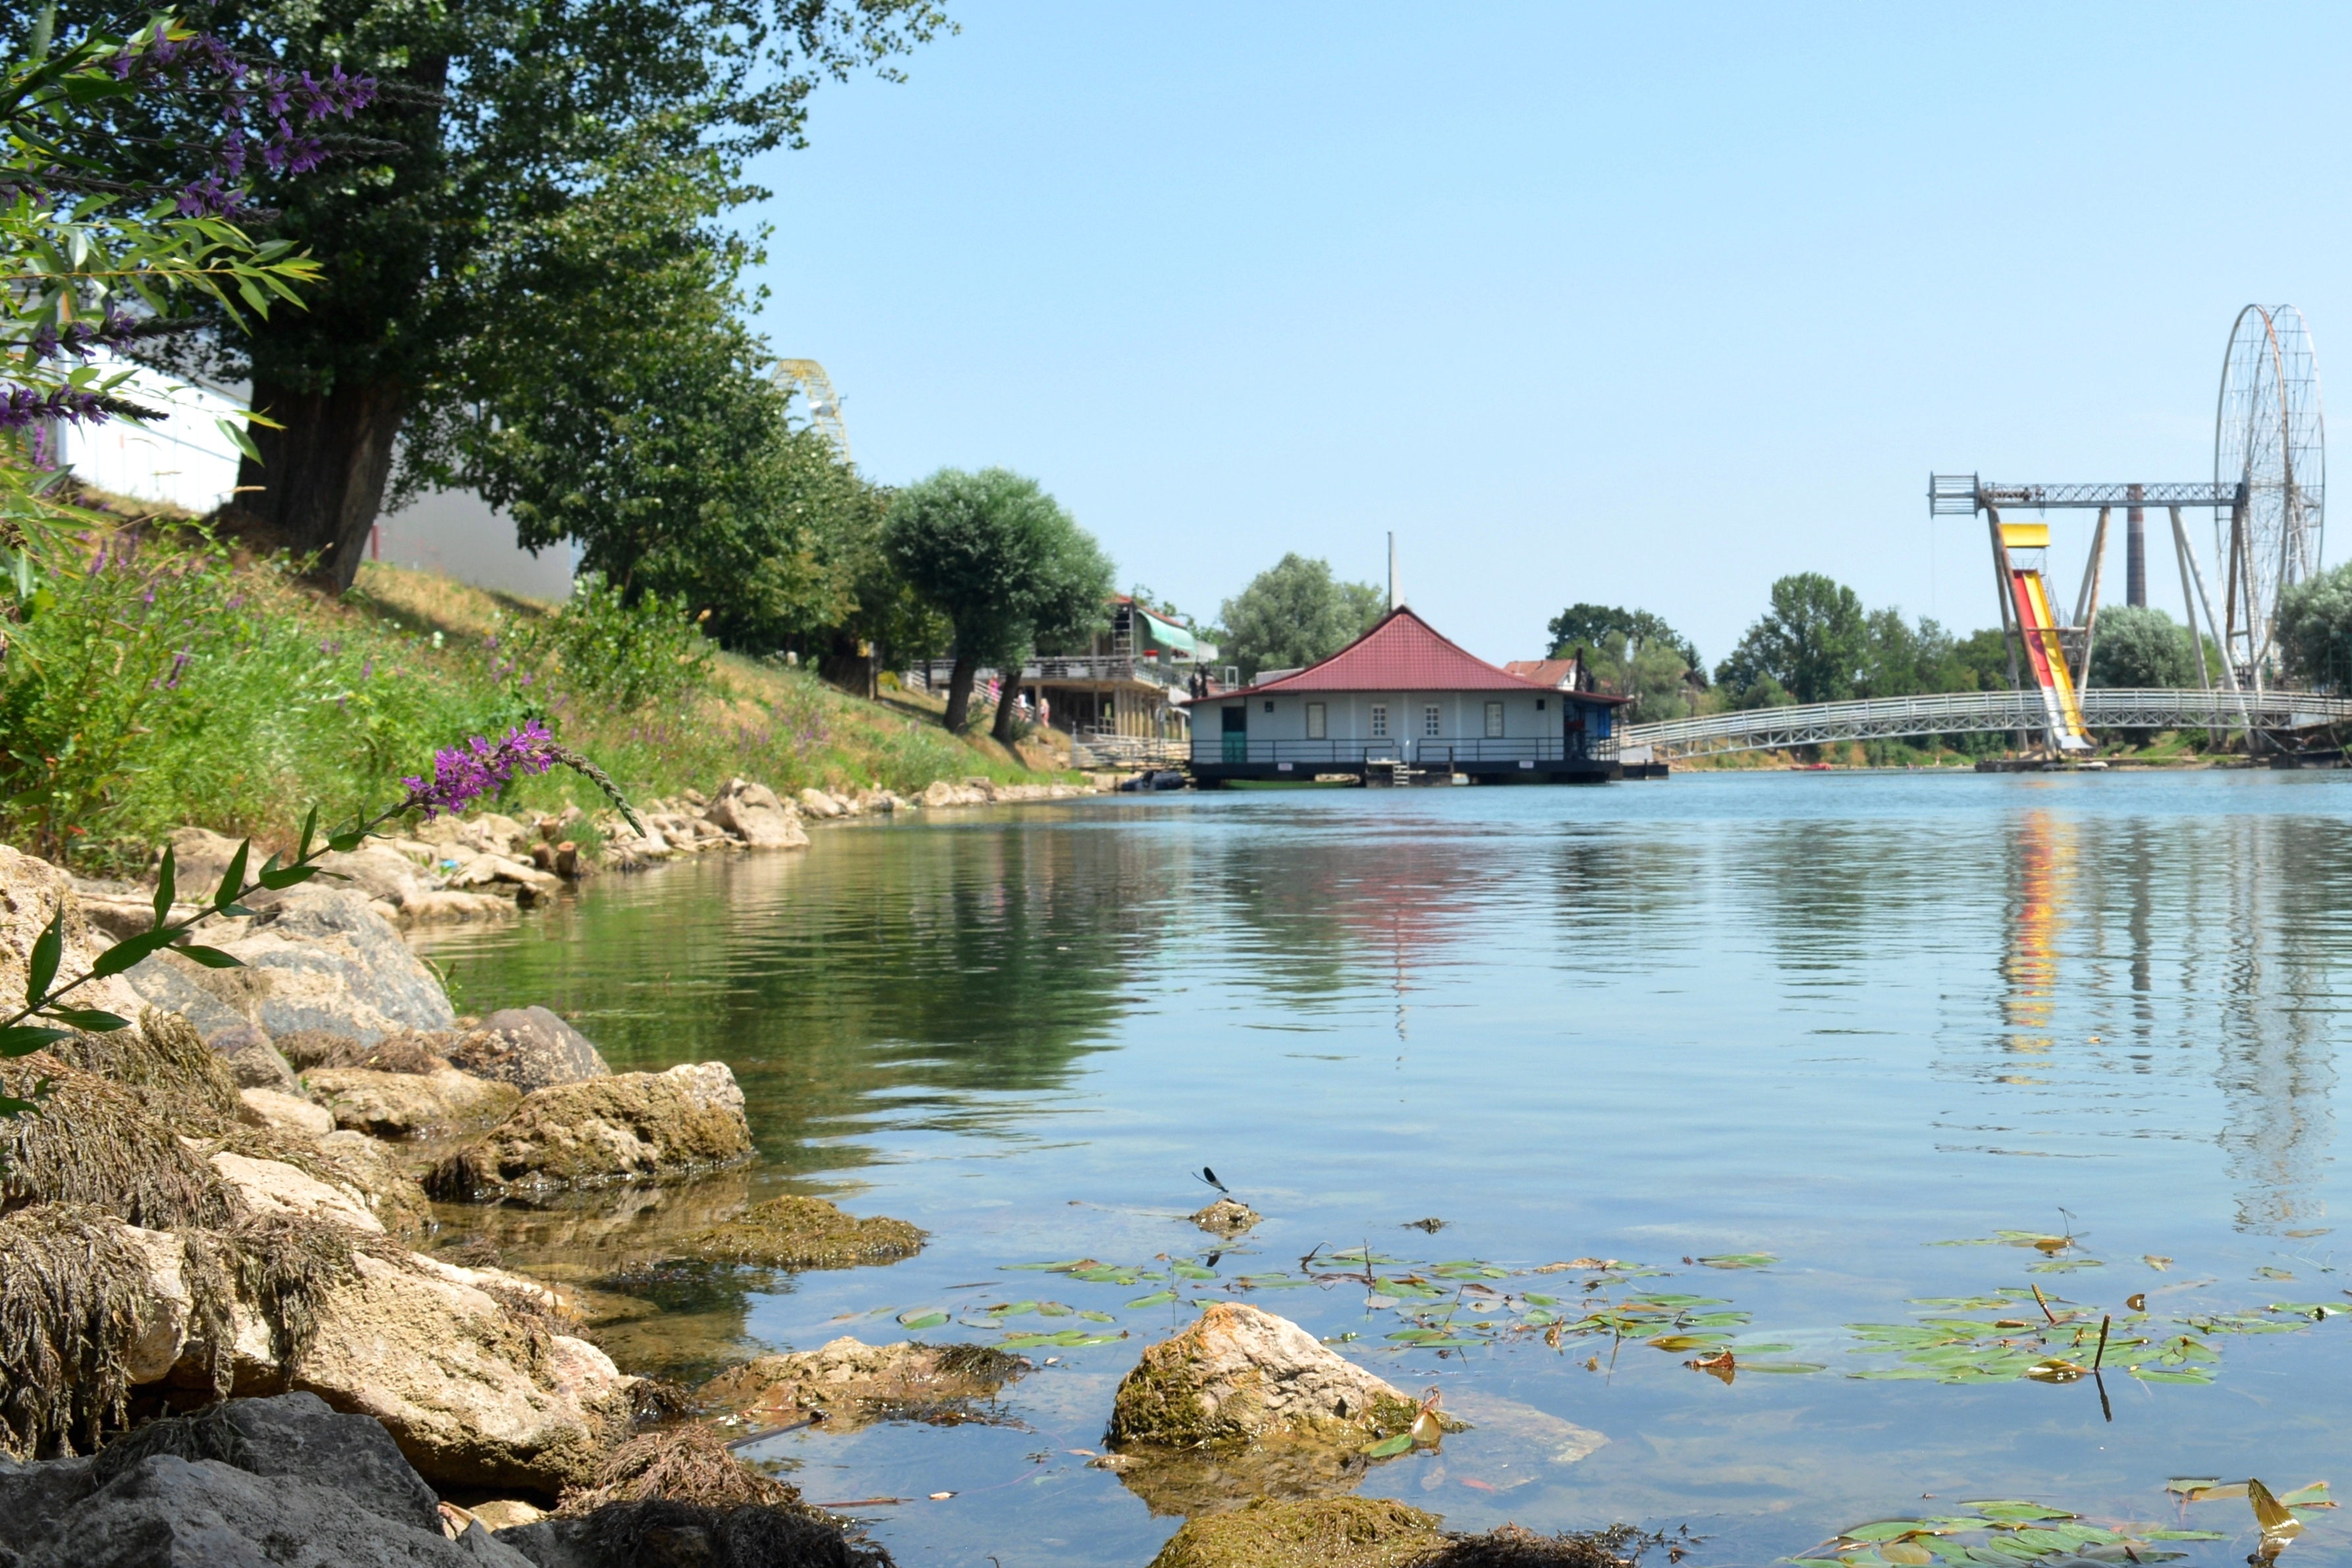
(2267, 497)
(823, 403)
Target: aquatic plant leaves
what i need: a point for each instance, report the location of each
(1388, 1448)
(1067, 1339)
(1157, 1299)
(2313, 1495)
(925, 1317)
(1739, 1260)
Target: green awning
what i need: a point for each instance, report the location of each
(1156, 632)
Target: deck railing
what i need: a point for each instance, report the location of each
(935, 674)
(1212, 747)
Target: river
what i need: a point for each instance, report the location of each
(1809, 1027)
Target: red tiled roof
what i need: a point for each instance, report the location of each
(1403, 654)
(1543, 672)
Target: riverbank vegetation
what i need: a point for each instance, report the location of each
(174, 677)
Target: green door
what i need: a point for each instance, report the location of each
(1237, 732)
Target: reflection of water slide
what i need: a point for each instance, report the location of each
(2038, 631)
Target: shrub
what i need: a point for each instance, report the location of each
(631, 655)
(2141, 646)
(2315, 631)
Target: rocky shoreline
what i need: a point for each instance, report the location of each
(228, 1338)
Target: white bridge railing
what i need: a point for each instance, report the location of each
(1959, 712)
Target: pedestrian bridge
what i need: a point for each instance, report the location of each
(1962, 713)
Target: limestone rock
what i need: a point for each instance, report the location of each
(273, 1187)
(409, 1104)
(506, 1513)
(817, 803)
(377, 871)
(30, 891)
(490, 870)
(850, 1383)
(1238, 1374)
(530, 1047)
(752, 813)
(318, 959)
(253, 1061)
(630, 1126)
(939, 792)
(288, 1113)
(474, 1393)
(445, 907)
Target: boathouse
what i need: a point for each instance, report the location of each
(1402, 703)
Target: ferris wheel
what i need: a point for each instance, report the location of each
(2269, 447)
(823, 403)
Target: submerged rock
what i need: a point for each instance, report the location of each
(1238, 1374)
(530, 1047)
(409, 1104)
(1374, 1532)
(794, 1232)
(1227, 1217)
(850, 1384)
(262, 1481)
(630, 1126)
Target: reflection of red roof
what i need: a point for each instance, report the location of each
(1403, 654)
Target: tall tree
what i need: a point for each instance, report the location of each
(2140, 645)
(2315, 631)
(507, 115)
(1591, 626)
(1294, 613)
(1005, 564)
(1813, 643)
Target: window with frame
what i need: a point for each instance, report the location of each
(1433, 720)
(1380, 721)
(1493, 721)
(1314, 726)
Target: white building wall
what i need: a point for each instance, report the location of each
(182, 460)
(459, 534)
(1348, 716)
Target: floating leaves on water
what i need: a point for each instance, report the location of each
(1739, 1260)
(1098, 1317)
(2012, 1532)
(1388, 1448)
(1599, 1265)
(1064, 1340)
(2315, 1311)
(2157, 1263)
(2062, 1265)
(2267, 1272)
(1674, 1342)
(922, 1318)
(1157, 1299)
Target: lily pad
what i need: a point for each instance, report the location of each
(1739, 1260)
(925, 1317)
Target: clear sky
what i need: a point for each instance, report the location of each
(1647, 305)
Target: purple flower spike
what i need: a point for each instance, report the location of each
(463, 775)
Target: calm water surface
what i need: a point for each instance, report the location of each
(1829, 1019)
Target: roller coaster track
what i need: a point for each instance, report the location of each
(1959, 713)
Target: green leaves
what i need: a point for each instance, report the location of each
(922, 1318)
(1388, 1447)
(232, 880)
(23, 1039)
(48, 951)
(167, 883)
(90, 1020)
(127, 953)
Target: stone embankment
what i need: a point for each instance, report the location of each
(487, 866)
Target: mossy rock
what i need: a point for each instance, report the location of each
(1238, 1373)
(1326, 1532)
(806, 1233)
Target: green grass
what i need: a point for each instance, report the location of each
(186, 686)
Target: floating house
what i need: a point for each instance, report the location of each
(1401, 701)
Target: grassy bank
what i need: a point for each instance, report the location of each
(174, 681)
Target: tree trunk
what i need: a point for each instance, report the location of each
(322, 476)
(1007, 699)
(967, 668)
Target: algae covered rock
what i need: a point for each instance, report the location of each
(97, 1143)
(409, 1104)
(794, 1232)
(530, 1047)
(628, 1127)
(851, 1384)
(1238, 1374)
(1227, 1217)
(1326, 1532)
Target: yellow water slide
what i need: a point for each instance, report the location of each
(2039, 629)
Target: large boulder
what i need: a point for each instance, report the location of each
(459, 1366)
(273, 1187)
(630, 1126)
(31, 891)
(530, 1047)
(260, 1483)
(1238, 1374)
(286, 1112)
(319, 958)
(253, 1060)
(409, 1104)
(752, 813)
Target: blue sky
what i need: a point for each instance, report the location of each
(1645, 305)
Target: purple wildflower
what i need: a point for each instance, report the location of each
(463, 775)
(23, 405)
(180, 661)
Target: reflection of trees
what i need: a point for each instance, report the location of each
(913, 974)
